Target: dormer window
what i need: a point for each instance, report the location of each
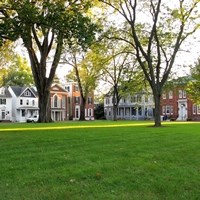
(27, 93)
(2, 91)
(67, 88)
(164, 95)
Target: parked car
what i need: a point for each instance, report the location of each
(32, 118)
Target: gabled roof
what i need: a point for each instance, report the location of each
(56, 87)
(19, 91)
(6, 92)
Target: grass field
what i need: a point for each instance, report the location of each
(103, 160)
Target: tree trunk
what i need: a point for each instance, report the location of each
(157, 121)
(114, 112)
(44, 106)
(82, 109)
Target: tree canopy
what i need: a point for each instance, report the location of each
(155, 29)
(45, 27)
(7, 56)
(18, 73)
(193, 86)
(86, 69)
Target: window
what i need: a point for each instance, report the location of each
(67, 88)
(3, 115)
(198, 109)
(164, 95)
(180, 94)
(170, 94)
(2, 101)
(139, 98)
(77, 113)
(21, 101)
(23, 113)
(140, 111)
(171, 110)
(194, 109)
(33, 102)
(163, 110)
(2, 91)
(167, 110)
(89, 100)
(107, 100)
(27, 102)
(89, 112)
(132, 99)
(184, 94)
(55, 101)
(63, 102)
(27, 93)
(77, 100)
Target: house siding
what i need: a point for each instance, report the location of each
(132, 107)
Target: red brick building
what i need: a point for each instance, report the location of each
(74, 102)
(176, 105)
(66, 102)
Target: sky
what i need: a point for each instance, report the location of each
(187, 56)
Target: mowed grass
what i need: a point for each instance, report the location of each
(99, 160)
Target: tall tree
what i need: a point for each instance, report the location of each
(45, 27)
(86, 68)
(193, 86)
(156, 35)
(121, 73)
(18, 73)
(7, 57)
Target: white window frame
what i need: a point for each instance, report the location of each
(164, 96)
(170, 94)
(184, 94)
(194, 109)
(180, 94)
(21, 101)
(198, 109)
(27, 93)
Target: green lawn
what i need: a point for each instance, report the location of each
(103, 160)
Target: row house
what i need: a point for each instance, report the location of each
(24, 103)
(59, 106)
(74, 102)
(133, 107)
(176, 105)
(5, 104)
(19, 103)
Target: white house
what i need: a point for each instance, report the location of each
(138, 106)
(5, 104)
(24, 103)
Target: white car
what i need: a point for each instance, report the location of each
(32, 118)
